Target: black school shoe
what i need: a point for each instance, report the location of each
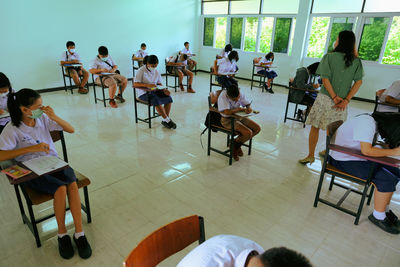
(65, 247)
(84, 249)
(386, 224)
(166, 124)
(172, 124)
(393, 219)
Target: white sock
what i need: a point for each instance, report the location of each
(77, 235)
(379, 215)
(62, 235)
(167, 119)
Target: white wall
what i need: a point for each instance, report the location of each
(34, 33)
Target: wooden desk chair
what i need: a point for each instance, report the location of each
(261, 77)
(137, 100)
(171, 72)
(33, 197)
(166, 241)
(135, 67)
(103, 87)
(289, 100)
(214, 82)
(378, 95)
(217, 127)
(335, 172)
(66, 74)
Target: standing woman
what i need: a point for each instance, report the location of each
(338, 70)
(5, 89)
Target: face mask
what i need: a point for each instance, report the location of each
(233, 60)
(104, 58)
(151, 68)
(3, 94)
(37, 113)
(72, 51)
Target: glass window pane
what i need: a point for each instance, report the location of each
(220, 33)
(245, 7)
(280, 6)
(215, 8)
(392, 50)
(372, 38)
(250, 34)
(236, 32)
(382, 6)
(267, 26)
(337, 6)
(338, 25)
(292, 37)
(318, 35)
(282, 32)
(208, 37)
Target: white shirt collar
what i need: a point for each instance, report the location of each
(242, 257)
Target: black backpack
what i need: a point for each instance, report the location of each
(213, 118)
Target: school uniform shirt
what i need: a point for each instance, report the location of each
(393, 91)
(224, 102)
(3, 106)
(223, 53)
(144, 75)
(263, 60)
(14, 137)
(176, 59)
(67, 56)
(221, 251)
(141, 53)
(226, 66)
(97, 63)
(361, 128)
(186, 51)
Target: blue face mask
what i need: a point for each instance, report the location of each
(104, 58)
(37, 113)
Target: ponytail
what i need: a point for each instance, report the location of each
(346, 45)
(24, 97)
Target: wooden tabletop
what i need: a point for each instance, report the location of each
(29, 176)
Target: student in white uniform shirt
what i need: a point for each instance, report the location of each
(225, 51)
(149, 77)
(27, 136)
(5, 89)
(232, 101)
(177, 65)
(191, 63)
(104, 63)
(140, 54)
(359, 133)
(392, 96)
(225, 68)
(72, 57)
(270, 74)
(235, 251)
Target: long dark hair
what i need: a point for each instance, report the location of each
(233, 55)
(347, 40)
(313, 68)
(228, 48)
(5, 82)
(24, 97)
(388, 127)
(269, 56)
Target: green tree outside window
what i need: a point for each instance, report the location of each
(236, 32)
(319, 33)
(267, 26)
(282, 32)
(392, 50)
(338, 25)
(372, 38)
(220, 38)
(250, 34)
(208, 37)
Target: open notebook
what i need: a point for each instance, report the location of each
(45, 164)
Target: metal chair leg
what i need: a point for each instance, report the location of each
(331, 183)
(371, 193)
(87, 204)
(21, 206)
(149, 112)
(250, 144)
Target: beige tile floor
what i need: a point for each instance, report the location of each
(144, 178)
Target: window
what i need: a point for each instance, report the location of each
(208, 37)
(280, 6)
(245, 7)
(317, 40)
(372, 38)
(282, 34)
(215, 7)
(338, 25)
(392, 50)
(236, 32)
(382, 6)
(337, 6)
(250, 35)
(267, 26)
(220, 32)
(292, 37)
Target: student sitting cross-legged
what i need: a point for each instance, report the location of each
(191, 63)
(232, 101)
(5, 89)
(149, 77)
(72, 57)
(226, 68)
(27, 137)
(180, 62)
(104, 63)
(270, 74)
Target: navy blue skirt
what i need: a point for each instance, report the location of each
(270, 74)
(49, 183)
(156, 98)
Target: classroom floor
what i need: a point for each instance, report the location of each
(144, 178)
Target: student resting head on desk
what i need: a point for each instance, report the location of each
(27, 137)
(360, 133)
(149, 77)
(231, 101)
(177, 65)
(5, 89)
(227, 66)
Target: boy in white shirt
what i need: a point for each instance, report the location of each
(225, 69)
(232, 101)
(140, 54)
(104, 63)
(191, 63)
(391, 96)
(177, 65)
(72, 57)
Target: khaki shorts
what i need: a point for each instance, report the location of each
(226, 122)
(111, 80)
(176, 70)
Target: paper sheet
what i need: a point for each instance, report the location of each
(5, 115)
(42, 165)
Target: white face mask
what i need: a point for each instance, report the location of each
(151, 68)
(3, 94)
(72, 51)
(104, 58)
(233, 60)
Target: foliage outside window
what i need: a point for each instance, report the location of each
(267, 26)
(372, 38)
(338, 25)
(208, 37)
(282, 34)
(220, 32)
(250, 35)
(236, 32)
(392, 50)
(318, 35)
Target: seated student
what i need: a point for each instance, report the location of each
(180, 61)
(140, 54)
(27, 137)
(359, 133)
(5, 89)
(303, 80)
(72, 57)
(236, 251)
(149, 77)
(225, 51)
(231, 101)
(225, 67)
(104, 63)
(191, 63)
(271, 75)
(391, 96)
